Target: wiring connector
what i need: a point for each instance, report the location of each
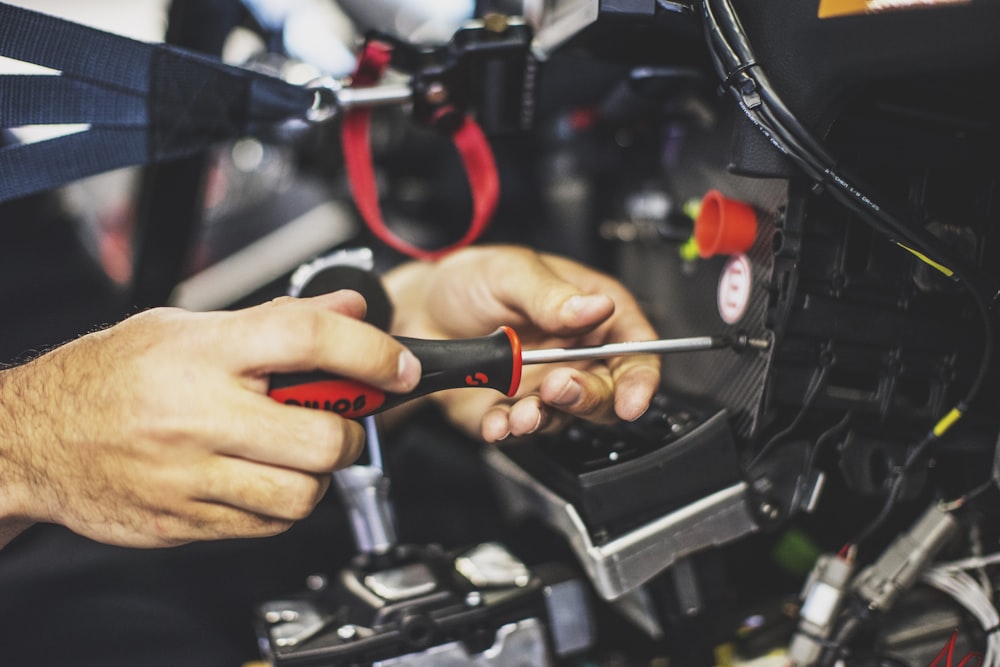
(822, 597)
(880, 584)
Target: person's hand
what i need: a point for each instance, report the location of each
(158, 431)
(551, 302)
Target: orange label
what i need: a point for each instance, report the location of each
(831, 8)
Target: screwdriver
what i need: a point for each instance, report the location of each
(492, 361)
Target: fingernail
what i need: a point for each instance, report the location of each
(504, 436)
(537, 424)
(570, 394)
(409, 370)
(640, 412)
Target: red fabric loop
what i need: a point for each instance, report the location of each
(469, 140)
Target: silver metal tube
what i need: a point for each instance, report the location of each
(365, 492)
(376, 96)
(620, 349)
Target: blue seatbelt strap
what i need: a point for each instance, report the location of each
(143, 102)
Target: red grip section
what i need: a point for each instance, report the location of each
(347, 398)
(516, 363)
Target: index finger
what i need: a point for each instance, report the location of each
(302, 335)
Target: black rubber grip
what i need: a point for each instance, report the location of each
(492, 361)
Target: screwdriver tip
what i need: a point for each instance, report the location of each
(744, 342)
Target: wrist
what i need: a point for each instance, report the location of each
(15, 493)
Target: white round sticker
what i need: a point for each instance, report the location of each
(734, 289)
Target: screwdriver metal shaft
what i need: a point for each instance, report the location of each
(662, 346)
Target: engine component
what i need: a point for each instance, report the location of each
(822, 596)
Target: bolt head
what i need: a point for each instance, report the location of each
(436, 93)
(496, 23)
(769, 510)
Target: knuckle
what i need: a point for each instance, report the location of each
(300, 501)
(327, 455)
(386, 356)
(332, 448)
(310, 335)
(300, 332)
(272, 527)
(325, 451)
(249, 524)
(353, 443)
(278, 527)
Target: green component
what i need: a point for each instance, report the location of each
(689, 251)
(691, 208)
(796, 553)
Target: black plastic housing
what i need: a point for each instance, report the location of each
(621, 476)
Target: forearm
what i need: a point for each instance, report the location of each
(14, 490)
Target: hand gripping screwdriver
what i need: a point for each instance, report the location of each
(492, 361)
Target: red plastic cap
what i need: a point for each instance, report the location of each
(724, 226)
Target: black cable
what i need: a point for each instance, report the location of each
(898, 480)
(733, 55)
(733, 32)
(674, 7)
(988, 485)
(825, 437)
(816, 383)
(836, 649)
(793, 139)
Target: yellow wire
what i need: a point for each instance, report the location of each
(947, 422)
(927, 260)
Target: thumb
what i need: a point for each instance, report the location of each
(553, 304)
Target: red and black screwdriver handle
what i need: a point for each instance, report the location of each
(488, 361)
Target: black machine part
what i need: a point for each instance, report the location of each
(621, 477)
(418, 605)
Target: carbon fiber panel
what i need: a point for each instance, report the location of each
(681, 298)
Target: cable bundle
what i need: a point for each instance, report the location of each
(968, 593)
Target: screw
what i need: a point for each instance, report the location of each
(316, 582)
(769, 510)
(289, 615)
(436, 93)
(286, 641)
(496, 23)
(347, 632)
(474, 599)
(272, 617)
